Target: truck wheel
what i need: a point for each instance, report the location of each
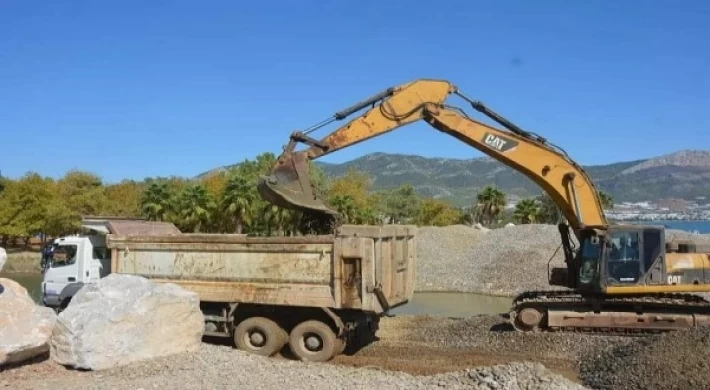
(260, 336)
(313, 341)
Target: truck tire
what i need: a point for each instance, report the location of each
(313, 341)
(260, 336)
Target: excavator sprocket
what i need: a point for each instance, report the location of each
(629, 315)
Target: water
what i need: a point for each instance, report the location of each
(32, 282)
(453, 304)
(702, 227)
(439, 304)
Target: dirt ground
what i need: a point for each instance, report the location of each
(417, 345)
(422, 345)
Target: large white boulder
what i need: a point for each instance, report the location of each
(3, 258)
(25, 327)
(124, 319)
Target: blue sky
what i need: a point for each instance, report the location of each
(132, 89)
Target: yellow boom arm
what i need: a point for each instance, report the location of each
(561, 178)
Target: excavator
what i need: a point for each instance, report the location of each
(616, 278)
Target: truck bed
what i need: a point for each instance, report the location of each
(369, 268)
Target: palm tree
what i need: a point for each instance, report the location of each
(527, 211)
(345, 206)
(196, 207)
(275, 218)
(549, 211)
(490, 203)
(157, 201)
(237, 200)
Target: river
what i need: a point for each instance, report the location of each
(702, 227)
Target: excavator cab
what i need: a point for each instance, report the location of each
(622, 256)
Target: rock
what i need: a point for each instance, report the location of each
(509, 225)
(3, 258)
(25, 327)
(480, 227)
(126, 318)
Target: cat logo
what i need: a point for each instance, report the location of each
(499, 143)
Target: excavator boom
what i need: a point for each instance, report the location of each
(289, 184)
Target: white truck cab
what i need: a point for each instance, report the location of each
(76, 260)
(83, 259)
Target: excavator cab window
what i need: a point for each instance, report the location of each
(589, 267)
(623, 255)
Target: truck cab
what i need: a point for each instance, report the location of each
(78, 260)
(74, 262)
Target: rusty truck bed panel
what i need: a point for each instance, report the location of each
(360, 267)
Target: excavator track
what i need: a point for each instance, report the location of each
(566, 311)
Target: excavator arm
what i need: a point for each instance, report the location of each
(569, 186)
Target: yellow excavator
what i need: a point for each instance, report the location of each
(617, 278)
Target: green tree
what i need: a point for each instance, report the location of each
(23, 206)
(527, 211)
(401, 204)
(237, 202)
(345, 206)
(157, 201)
(124, 199)
(549, 211)
(491, 202)
(195, 208)
(607, 200)
(84, 192)
(275, 219)
(437, 213)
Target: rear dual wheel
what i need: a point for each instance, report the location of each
(315, 341)
(260, 336)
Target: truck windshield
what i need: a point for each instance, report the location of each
(63, 255)
(589, 268)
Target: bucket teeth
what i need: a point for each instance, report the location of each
(289, 186)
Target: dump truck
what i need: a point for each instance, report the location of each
(318, 294)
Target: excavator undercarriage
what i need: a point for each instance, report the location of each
(619, 279)
(590, 313)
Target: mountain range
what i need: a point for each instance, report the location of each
(680, 175)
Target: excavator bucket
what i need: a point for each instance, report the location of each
(289, 186)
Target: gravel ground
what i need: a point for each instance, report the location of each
(677, 360)
(464, 354)
(505, 261)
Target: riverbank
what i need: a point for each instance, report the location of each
(23, 262)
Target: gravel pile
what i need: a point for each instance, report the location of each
(496, 360)
(515, 376)
(504, 261)
(676, 360)
(221, 367)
